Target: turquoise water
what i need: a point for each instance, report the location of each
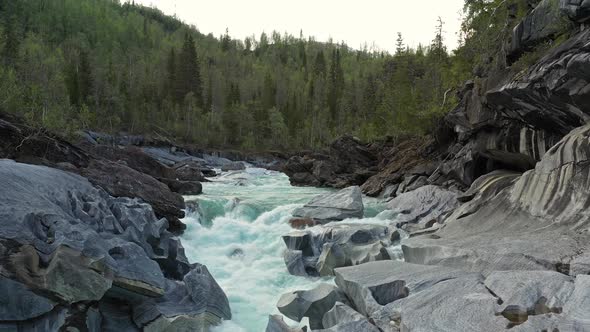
(237, 233)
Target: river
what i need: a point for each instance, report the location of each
(237, 233)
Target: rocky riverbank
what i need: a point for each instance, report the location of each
(494, 207)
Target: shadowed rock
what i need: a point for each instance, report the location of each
(313, 304)
(319, 250)
(65, 243)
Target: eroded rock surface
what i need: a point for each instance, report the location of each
(344, 204)
(319, 250)
(64, 242)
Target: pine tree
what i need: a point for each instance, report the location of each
(399, 44)
(226, 41)
(85, 77)
(189, 72)
(171, 69)
(12, 41)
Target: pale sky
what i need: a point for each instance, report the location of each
(355, 22)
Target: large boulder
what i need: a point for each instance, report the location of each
(233, 166)
(532, 222)
(133, 157)
(349, 162)
(190, 171)
(342, 318)
(344, 204)
(423, 207)
(319, 250)
(277, 324)
(66, 245)
(313, 303)
(121, 181)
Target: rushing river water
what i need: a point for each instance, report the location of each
(237, 234)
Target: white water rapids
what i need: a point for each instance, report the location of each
(237, 234)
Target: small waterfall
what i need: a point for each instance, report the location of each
(235, 228)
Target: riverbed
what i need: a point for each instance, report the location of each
(236, 232)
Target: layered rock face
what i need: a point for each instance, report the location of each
(319, 250)
(509, 250)
(74, 257)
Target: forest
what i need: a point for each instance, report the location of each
(104, 65)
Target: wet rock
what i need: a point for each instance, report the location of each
(313, 304)
(295, 263)
(302, 223)
(171, 156)
(184, 187)
(189, 171)
(346, 203)
(277, 324)
(299, 241)
(234, 166)
(237, 253)
(332, 257)
(321, 249)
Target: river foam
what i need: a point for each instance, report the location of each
(236, 231)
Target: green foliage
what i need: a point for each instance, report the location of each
(98, 64)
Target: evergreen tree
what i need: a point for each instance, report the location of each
(189, 72)
(171, 70)
(399, 44)
(85, 83)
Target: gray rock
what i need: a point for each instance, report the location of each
(233, 166)
(299, 240)
(332, 257)
(577, 10)
(340, 314)
(74, 244)
(319, 250)
(457, 303)
(295, 263)
(533, 222)
(344, 204)
(573, 316)
(545, 21)
(277, 324)
(372, 285)
(423, 205)
(534, 292)
(19, 303)
(354, 326)
(312, 303)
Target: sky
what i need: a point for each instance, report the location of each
(375, 22)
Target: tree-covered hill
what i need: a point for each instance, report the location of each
(103, 65)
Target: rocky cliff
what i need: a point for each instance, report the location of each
(499, 233)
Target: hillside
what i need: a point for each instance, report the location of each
(106, 66)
